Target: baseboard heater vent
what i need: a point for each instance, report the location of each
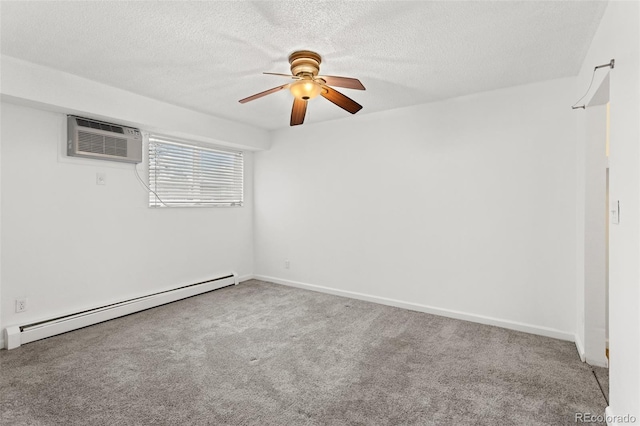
(20, 334)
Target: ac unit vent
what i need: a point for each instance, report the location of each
(103, 141)
(97, 125)
(99, 144)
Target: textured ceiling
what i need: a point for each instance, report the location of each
(207, 55)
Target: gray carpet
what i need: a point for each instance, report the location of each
(264, 354)
(602, 376)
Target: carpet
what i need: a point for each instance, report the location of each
(602, 376)
(265, 354)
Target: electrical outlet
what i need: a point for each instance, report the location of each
(101, 178)
(286, 264)
(21, 305)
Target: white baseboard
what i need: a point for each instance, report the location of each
(511, 325)
(598, 362)
(580, 347)
(244, 278)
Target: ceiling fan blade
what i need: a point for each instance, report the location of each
(261, 94)
(346, 82)
(341, 100)
(283, 75)
(298, 111)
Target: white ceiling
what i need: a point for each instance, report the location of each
(207, 55)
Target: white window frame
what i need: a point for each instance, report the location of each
(188, 174)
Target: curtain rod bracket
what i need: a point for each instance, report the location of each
(611, 64)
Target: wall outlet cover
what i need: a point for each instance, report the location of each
(21, 305)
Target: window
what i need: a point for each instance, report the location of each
(181, 174)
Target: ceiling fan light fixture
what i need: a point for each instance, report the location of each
(305, 66)
(305, 89)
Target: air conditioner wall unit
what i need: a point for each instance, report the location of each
(99, 140)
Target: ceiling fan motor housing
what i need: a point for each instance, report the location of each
(305, 62)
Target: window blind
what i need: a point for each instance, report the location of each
(189, 175)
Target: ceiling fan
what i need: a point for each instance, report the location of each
(305, 66)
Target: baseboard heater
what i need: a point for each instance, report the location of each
(20, 334)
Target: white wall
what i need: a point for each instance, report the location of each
(69, 244)
(595, 244)
(464, 207)
(619, 37)
(1, 310)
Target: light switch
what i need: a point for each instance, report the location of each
(614, 212)
(101, 178)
